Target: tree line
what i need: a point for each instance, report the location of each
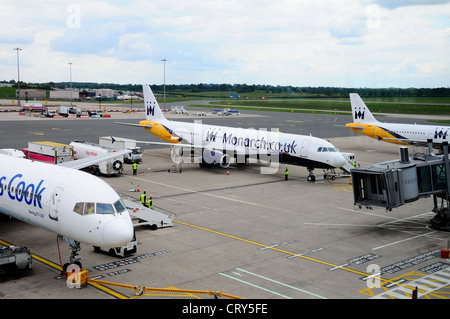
(286, 91)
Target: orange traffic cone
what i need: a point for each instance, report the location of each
(138, 189)
(228, 172)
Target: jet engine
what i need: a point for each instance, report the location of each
(207, 158)
(214, 158)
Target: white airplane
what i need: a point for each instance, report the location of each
(73, 204)
(405, 134)
(219, 144)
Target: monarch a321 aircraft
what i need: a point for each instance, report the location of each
(219, 144)
(405, 134)
(73, 204)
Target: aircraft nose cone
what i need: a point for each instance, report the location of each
(339, 160)
(118, 232)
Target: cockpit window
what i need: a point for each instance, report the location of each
(326, 149)
(120, 206)
(99, 208)
(79, 208)
(105, 208)
(89, 208)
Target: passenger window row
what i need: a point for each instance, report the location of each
(19, 192)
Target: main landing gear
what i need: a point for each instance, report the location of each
(311, 177)
(74, 258)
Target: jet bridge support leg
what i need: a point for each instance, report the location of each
(442, 218)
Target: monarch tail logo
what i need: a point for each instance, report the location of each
(151, 108)
(359, 114)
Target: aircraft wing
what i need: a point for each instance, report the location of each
(87, 161)
(406, 140)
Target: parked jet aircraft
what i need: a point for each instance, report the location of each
(406, 134)
(219, 144)
(73, 204)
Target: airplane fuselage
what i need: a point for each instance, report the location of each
(65, 201)
(294, 149)
(402, 133)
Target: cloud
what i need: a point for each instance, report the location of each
(393, 4)
(285, 42)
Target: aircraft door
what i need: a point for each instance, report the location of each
(54, 201)
(304, 149)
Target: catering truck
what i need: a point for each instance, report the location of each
(120, 143)
(50, 152)
(83, 149)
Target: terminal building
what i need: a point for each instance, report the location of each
(394, 183)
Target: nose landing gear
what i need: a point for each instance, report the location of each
(74, 259)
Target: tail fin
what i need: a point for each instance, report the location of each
(360, 111)
(152, 110)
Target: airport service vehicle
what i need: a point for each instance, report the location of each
(83, 149)
(50, 152)
(34, 107)
(211, 145)
(14, 258)
(120, 143)
(95, 113)
(60, 198)
(63, 110)
(404, 134)
(82, 113)
(49, 113)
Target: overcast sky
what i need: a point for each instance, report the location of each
(343, 43)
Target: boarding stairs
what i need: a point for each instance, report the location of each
(148, 216)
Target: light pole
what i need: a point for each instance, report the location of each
(18, 73)
(70, 68)
(164, 60)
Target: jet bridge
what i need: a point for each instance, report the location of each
(394, 183)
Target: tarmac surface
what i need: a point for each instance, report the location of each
(247, 234)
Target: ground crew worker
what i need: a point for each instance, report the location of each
(150, 203)
(354, 164)
(286, 174)
(134, 168)
(143, 198)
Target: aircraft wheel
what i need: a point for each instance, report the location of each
(67, 265)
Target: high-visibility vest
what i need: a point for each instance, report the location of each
(286, 172)
(143, 196)
(134, 166)
(150, 203)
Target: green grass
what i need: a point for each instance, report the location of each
(7, 92)
(410, 108)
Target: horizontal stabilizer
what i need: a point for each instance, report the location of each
(133, 124)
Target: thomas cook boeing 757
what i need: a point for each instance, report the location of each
(219, 144)
(73, 204)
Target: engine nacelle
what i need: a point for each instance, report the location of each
(206, 158)
(214, 158)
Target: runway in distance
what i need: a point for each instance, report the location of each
(211, 145)
(73, 204)
(404, 134)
